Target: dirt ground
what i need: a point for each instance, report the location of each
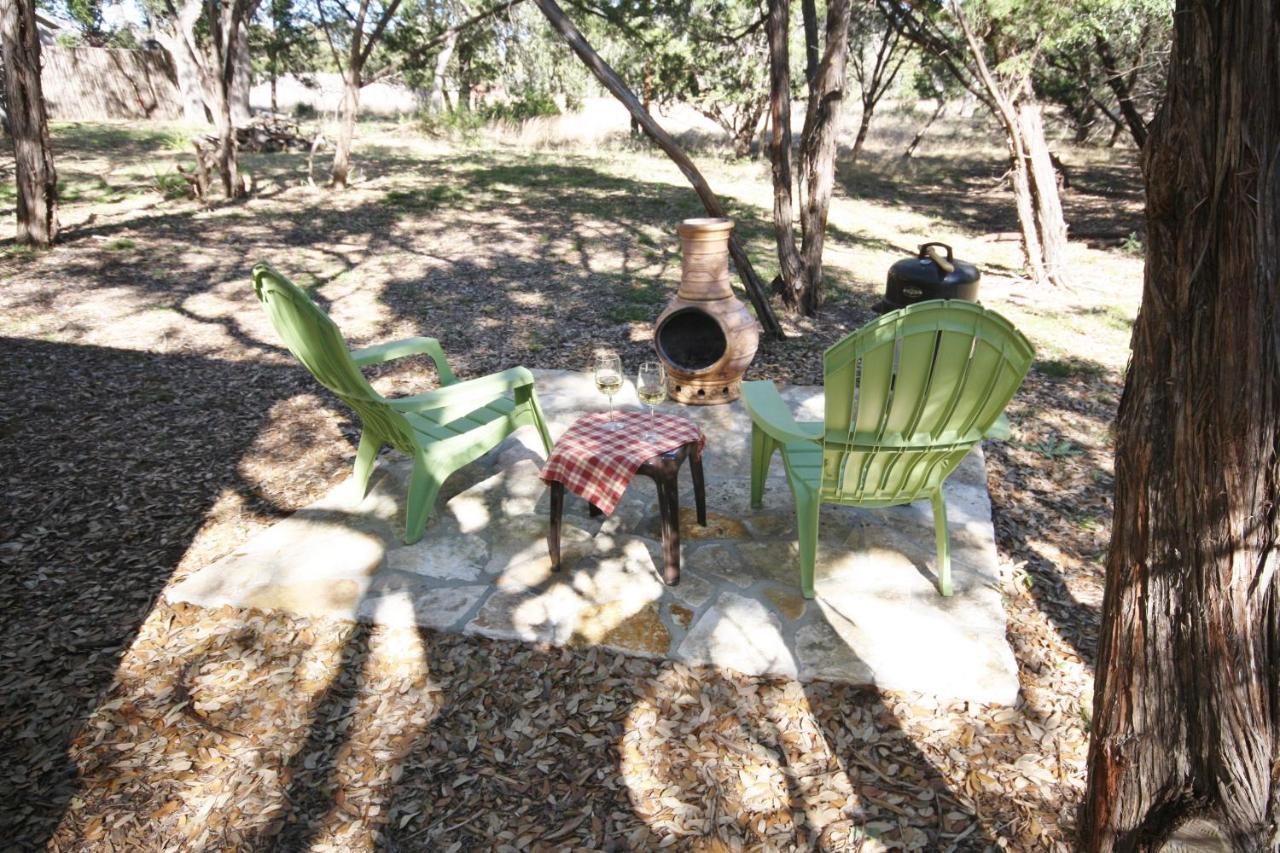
(151, 422)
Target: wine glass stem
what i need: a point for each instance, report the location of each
(652, 410)
(610, 408)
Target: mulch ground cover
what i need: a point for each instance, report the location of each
(149, 424)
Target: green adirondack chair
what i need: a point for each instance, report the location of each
(907, 397)
(440, 430)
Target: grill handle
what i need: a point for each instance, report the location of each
(930, 251)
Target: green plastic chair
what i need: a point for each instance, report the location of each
(440, 430)
(907, 397)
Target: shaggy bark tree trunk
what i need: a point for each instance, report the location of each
(1186, 721)
(35, 176)
(611, 81)
(818, 151)
(799, 282)
(1035, 187)
(1040, 182)
(777, 29)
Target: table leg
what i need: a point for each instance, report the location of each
(553, 530)
(669, 510)
(699, 485)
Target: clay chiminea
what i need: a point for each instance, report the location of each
(706, 336)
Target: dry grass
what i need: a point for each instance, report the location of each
(152, 423)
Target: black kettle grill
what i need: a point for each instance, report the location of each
(930, 275)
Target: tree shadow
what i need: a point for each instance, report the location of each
(113, 461)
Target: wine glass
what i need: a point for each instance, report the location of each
(609, 382)
(651, 387)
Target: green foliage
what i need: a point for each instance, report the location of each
(171, 185)
(526, 105)
(1062, 368)
(280, 42)
(1055, 448)
(423, 199)
(463, 124)
(711, 54)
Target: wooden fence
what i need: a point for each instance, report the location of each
(92, 83)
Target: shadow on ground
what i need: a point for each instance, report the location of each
(113, 460)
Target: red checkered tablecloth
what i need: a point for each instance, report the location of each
(596, 464)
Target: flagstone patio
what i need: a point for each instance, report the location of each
(482, 566)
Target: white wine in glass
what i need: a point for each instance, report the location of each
(651, 388)
(609, 382)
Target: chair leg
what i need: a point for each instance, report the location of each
(762, 447)
(808, 508)
(366, 456)
(423, 488)
(944, 543)
(699, 484)
(539, 421)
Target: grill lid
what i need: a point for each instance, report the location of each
(931, 269)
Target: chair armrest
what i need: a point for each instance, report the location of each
(409, 346)
(1000, 430)
(461, 398)
(770, 413)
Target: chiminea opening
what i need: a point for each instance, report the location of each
(691, 340)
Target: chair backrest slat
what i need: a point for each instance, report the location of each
(908, 395)
(315, 340)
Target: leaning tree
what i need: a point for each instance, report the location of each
(37, 180)
(993, 48)
(1186, 721)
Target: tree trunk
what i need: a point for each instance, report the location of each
(34, 173)
(919, 137)
(610, 80)
(242, 80)
(228, 153)
(864, 125)
(818, 151)
(192, 87)
(436, 102)
(346, 127)
(1186, 720)
(812, 49)
(790, 279)
(275, 108)
(1120, 88)
(1042, 181)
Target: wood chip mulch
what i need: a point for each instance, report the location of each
(133, 453)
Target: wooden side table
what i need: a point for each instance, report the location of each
(664, 470)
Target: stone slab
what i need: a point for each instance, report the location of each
(482, 566)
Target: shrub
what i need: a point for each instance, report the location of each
(528, 105)
(463, 123)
